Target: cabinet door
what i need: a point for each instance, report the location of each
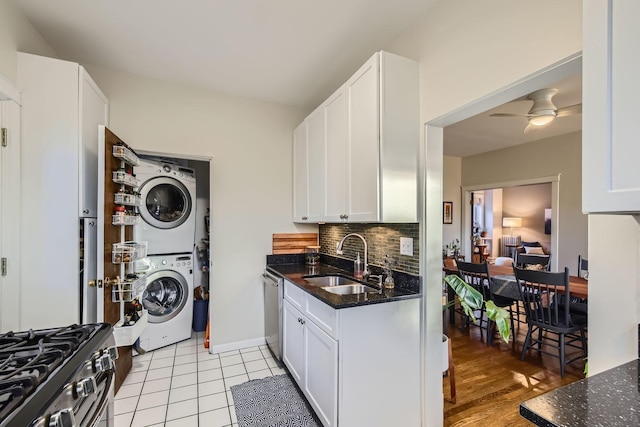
(610, 152)
(363, 115)
(315, 163)
(10, 217)
(293, 342)
(321, 374)
(300, 182)
(94, 111)
(336, 162)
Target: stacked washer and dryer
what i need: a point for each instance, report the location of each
(168, 225)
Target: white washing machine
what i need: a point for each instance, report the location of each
(168, 209)
(168, 298)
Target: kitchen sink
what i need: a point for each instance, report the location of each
(329, 280)
(352, 289)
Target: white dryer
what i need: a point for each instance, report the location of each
(168, 298)
(168, 209)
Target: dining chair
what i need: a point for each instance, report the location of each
(583, 266)
(477, 275)
(579, 306)
(548, 316)
(528, 261)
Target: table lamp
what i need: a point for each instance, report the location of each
(511, 222)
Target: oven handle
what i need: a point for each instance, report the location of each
(104, 402)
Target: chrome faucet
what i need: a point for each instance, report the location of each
(365, 273)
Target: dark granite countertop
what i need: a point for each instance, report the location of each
(610, 398)
(293, 269)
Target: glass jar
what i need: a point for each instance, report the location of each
(312, 255)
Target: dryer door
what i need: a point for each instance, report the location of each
(166, 202)
(165, 296)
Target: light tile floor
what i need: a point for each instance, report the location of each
(183, 385)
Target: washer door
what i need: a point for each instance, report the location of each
(166, 202)
(165, 296)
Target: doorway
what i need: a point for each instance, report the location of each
(431, 217)
(554, 181)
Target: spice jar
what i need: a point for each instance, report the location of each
(312, 255)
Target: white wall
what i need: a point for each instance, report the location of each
(469, 51)
(558, 155)
(251, 181)
(614, 294)
(451, 181)
(17, 34)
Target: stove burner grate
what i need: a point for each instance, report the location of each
(27, 359)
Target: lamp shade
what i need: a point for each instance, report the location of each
(511, 222)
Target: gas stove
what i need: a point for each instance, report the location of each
(59, 377)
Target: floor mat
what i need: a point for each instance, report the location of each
(272, 401)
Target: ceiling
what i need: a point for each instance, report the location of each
(294, 52)
(481, 133)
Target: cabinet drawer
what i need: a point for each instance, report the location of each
(324, 316)
(294, 295)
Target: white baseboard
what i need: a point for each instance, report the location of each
(236, 345)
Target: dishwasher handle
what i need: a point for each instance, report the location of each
(271, 278)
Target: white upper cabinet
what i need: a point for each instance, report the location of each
(336, 160)
(300, 169)
(610, 150)
(362, 150)
(62, 109)
(371, 137)
(315, 163)
(94, 111)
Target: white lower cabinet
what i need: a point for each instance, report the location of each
(293, 344)
(312, 358)
(346, 358)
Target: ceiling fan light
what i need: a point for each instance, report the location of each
(541, 120)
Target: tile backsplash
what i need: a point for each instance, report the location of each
(382, 239)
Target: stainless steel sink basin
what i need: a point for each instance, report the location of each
(352, 289)
(329, 280)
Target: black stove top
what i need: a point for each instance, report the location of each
(36, 365)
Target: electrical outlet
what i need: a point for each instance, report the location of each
(406, 246)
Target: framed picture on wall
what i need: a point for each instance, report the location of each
(447, 212)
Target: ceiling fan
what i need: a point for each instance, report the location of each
(543, 111)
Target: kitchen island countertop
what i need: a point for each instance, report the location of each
(610, 398)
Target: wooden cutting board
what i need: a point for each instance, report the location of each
(293, 243)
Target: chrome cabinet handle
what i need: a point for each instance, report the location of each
(304, 218)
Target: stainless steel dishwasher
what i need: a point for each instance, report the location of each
(273, 294)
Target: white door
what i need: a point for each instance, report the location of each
(321, 375)
(611, 177)
(336, 161)
(315, 164)
(293, 341)
(362, 91)
(88, 266)
(9, 215)
(300, 174)
(94, 111)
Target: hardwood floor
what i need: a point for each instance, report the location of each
(492, 381)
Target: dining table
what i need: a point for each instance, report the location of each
(503, 282)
